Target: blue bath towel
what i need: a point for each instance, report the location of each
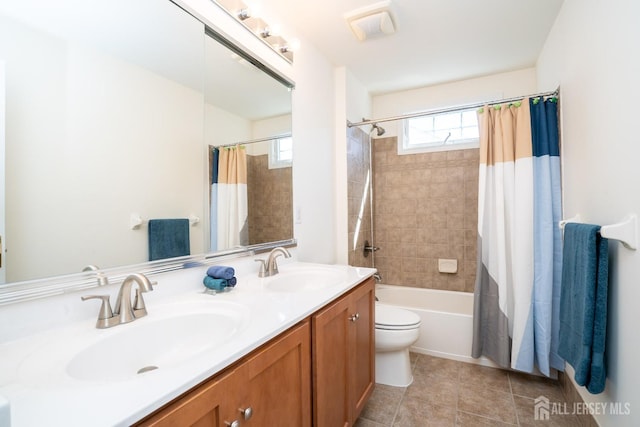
(168, 238)
(583, 304)
(221, 272)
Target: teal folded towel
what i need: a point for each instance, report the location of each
(583, 304)
(221, 272)
(168, 238)
(218, 284)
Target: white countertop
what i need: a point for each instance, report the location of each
(33, 367)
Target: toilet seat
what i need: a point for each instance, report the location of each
(393, 318)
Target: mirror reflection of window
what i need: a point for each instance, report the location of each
(281, 153)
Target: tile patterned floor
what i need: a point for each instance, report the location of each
(450, 393)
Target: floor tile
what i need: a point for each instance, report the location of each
(561, 416)
(450, 393)
(417, 413)
(533, 386)
(363, 422)
(433, 389)
(483, 376)
(383, 404)
(437, 366)
(494, 404)
(464, 419)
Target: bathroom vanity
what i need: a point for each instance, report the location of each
(295, 349)
(274, 386)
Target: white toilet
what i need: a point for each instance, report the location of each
(396, 330)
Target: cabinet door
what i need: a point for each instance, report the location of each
(363, 355)
(209, 405)
(278, 389)
(330, 359)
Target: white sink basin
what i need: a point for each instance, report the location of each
(305, 280)
(158, 342)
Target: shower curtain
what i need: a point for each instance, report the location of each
(517, 293)
(229, 205)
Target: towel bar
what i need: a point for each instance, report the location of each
(135, 221)
(626, 231)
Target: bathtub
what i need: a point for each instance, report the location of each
(446, 329)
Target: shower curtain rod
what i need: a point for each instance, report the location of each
(450, 109)
(233, 144)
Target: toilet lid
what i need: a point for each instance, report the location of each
(388, 317)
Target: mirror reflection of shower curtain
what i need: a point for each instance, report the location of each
(229, 205)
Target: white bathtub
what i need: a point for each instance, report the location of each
(447, 320)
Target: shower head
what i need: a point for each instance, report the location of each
(379, 129)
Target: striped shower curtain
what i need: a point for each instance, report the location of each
(517, 293)
(229, 204)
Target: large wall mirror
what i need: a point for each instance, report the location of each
(111, 110)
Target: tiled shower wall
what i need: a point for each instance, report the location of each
(425, 208)
(270, 201)
(357, 169)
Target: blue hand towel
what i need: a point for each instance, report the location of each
(583, 304)
(218, 284)
(168, 238)
(221, 272)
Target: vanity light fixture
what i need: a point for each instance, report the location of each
(266, 32)
(247, 15)
(244, 14)
(292, 46)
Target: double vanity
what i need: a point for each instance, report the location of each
(293, 349)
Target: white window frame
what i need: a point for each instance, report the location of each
(405, 148)
(275, 162)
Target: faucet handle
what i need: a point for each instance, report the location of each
(263, 267)
(105, 316)
(105, 308)
(139, 309)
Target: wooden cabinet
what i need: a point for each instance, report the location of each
(271, 387)
(343, 353)
(278, 382)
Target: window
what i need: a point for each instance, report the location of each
(439, 132)
(281, 153)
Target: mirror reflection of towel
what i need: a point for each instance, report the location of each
(168, 238)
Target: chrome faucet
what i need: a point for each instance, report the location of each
(124, 311)
(123, 308)
(269, 267)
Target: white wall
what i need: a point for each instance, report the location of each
(488, 88)
(313, 151)
(592, 53)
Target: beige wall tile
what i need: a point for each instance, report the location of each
(425, 208)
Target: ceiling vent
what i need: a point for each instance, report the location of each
(371, 21)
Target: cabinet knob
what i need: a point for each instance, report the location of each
(354, 317)
(246, 413)
(234, 423)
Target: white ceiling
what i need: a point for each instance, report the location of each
(436, 41)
